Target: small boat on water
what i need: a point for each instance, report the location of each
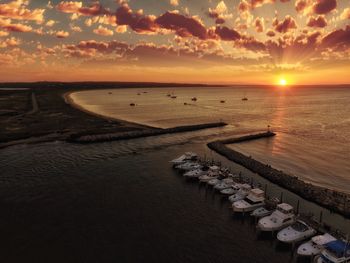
(336, 251)
(296, 232)
(222, 101)
(282, 217)
(132, 104)
(212, 173)
(254, 200)
(225, 183)
(314, 246)
(110, 93)
(194, 173)
(231, 190)
(188, 156)
(244, 99)
(173, 97)
(194, 99)
(188, 166)
(261, 212)
(241, 193)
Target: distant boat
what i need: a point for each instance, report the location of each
(245, 99)
(138, 93)
(132, 104)
(168, 95)
(222, 101)
(173, 97)
(109, 93)
(194, 99)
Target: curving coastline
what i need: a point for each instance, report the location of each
(333, 200)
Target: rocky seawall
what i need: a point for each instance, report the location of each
(78, 138)
(333, 200)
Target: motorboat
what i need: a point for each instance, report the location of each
(296, 232)
(282, 217)
(254, 200)
(194, 99)
(336, 251)
(188, 156)
(231, 190)
(241, 193)
(212, 173)
(188, 166)
(261, 212)
(194, 173)
(314, 246)
(225, 183)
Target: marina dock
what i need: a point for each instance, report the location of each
(333, 200)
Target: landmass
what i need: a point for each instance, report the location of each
(38, 112)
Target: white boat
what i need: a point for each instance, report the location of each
(254, 200)
(261, 212)
(282, 217)
(212, 173)
(194, 173)
(188, 156)
(296, 232)
(314, 246)
(214, 181)
(336, 251)
(188, 166)
(231, 190)
(224, 184)
(241, 193)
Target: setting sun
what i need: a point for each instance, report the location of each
(283, 82)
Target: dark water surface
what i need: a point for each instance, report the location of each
(122, 202)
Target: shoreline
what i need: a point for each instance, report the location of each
(335, 201)
(70, 101)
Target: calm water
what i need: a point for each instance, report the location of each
(313, 124)
(104, 203)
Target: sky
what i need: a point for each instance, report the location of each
(186, 41)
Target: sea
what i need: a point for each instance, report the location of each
(122, 201)
(312, 123)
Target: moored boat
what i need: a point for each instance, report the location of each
(241, 193)
(254, 200)
(282, 217)
(314, 246)
(336, 251)
(296, 232)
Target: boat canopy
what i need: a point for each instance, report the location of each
(339, 248)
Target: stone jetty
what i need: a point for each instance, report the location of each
(333, 200)
(77, 138)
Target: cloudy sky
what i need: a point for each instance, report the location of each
(211, 41)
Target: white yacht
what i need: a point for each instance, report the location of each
(254, 200)
(282, 217)
(194, 173)
(314, 246)
(188, 166)
(231, 190)
(224, 184)
(188, 156)
(336, 251)
(241, 193)
(296, 232)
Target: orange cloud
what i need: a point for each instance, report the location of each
(319, 21)
(103, 31)
(17, 10)
(284, 26)
(62, 34)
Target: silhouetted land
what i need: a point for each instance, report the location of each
(37, 112)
